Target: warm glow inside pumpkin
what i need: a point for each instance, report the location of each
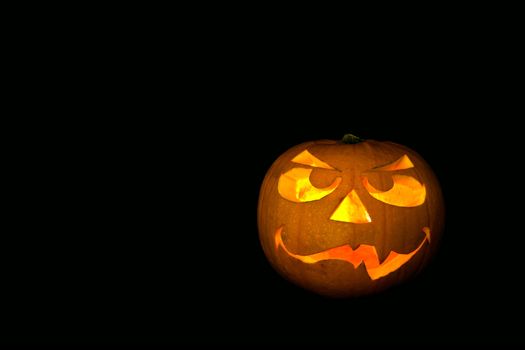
(380, 201)
(364, 254)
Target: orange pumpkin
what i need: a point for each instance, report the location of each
(351, 217)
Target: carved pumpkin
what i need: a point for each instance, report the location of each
(348, 218)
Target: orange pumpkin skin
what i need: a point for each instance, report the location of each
(305, 241)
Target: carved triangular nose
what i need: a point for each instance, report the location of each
(351, 209)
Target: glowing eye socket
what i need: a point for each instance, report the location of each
(406, 192)
(295, 186)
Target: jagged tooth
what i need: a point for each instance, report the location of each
(382, 253)
(353, 245)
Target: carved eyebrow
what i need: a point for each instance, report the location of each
(306, 158)
(402, 163)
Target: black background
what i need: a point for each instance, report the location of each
(135, 215)
(151, 238)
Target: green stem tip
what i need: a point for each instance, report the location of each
(351, 139)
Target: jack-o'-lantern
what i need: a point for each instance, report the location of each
(351, 217)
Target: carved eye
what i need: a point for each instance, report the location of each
(406, 192)
(295, 186)
(307, 158)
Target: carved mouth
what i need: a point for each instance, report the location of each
(365, 253)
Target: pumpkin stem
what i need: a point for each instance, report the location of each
(351, 139)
